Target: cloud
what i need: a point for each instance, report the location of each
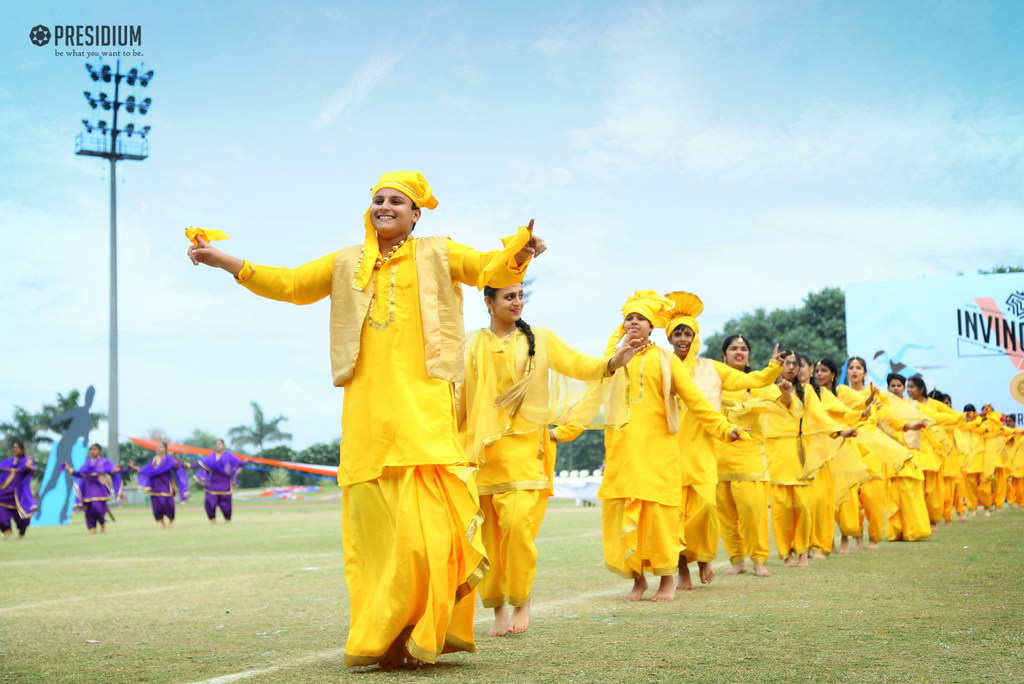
(359, 86)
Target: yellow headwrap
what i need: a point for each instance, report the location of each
(687, 307)
(648, 304)
(414, 186)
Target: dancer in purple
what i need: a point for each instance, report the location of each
(16, 502)
(162, 478)
(95, 484)
(217, 473)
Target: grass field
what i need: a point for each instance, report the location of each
(263, 600)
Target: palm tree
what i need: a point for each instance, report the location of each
(262, 430)
(26, 428)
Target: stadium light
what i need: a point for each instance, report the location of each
(114, 151)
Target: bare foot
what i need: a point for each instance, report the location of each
(860, 543)
(213, 521)
(666, 589)
(394, 657)
(818, 555)
(988, 513)
(844, 544)
(935, 527)
(788, 562)
(963, 517)
(707, 573)
(163, 525)
(685, 583)
(170, 523)
(737, 568)
(872, 545)
(8, 533)
(520, 619)
(103, 527)
(228, 521)
(761, 570)
(974, 513)
(92, 531)
(949, 523)
(500, 625)
(802, 563)
(639, 587)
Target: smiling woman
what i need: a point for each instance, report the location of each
(410, 510)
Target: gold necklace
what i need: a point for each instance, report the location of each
(384, 259)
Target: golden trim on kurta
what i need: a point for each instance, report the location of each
(371, 318)
(521, 486)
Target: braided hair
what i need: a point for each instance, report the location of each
(520, 323)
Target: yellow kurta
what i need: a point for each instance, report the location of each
(410, 510)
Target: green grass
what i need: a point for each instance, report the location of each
(266, 595)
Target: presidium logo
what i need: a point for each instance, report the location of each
(93, 36)
(39, 36)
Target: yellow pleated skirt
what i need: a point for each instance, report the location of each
(413, 554)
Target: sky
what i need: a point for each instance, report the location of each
(749, 152)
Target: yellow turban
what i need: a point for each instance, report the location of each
(415, 187)
(648, 304)
(687, 306)
(411, 183)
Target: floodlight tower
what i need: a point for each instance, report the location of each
(109, 144)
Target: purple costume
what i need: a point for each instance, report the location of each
(161, 478)
(95, 483)
(218, 474)
(16, 502)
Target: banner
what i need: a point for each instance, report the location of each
(964, 335)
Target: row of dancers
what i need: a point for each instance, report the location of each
(98, 484)
(443, 491)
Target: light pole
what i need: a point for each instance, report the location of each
(106, 144)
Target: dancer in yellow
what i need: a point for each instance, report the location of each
(907, 512)
(845, 468)
(641, 491)
(971, 443)
(935, 445)
(410, 512)
(508, 403)
(742, 493)
(697, 447)
(882, 455)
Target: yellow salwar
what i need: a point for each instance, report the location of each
(742, 507)
(410, 511)
(514, 453)
(643, 466)
(791, 519)
(701, 522)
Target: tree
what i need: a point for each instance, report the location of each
(202, 439)
(1001, 269)
(584, 452)
(817, 329)
(262, 430)
(26, 428)
(63, 405)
